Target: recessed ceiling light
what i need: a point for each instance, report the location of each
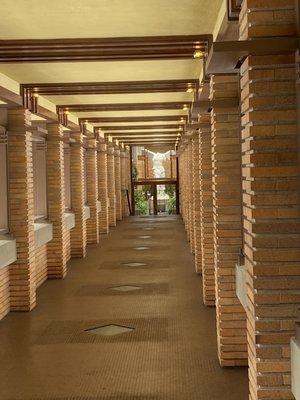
(198, 54)
(190, 90)
(185, 107)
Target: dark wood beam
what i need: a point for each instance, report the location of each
(137, 127)
(140, 133)
(233, 9)
(96, 120)
(73, 88)
(123, 106)
(102, 49)
(225, 57)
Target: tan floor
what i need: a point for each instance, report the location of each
(171, 353)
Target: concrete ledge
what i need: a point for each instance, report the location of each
(69, 220)
(8, 251)
(295, 363)
(240, 284)
(43, 233)
(98, 206)
(86, 212)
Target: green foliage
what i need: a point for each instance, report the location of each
(134, 173)
(170, 190)
(140, 201)
(171, 205)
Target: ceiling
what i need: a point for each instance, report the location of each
(110, 63)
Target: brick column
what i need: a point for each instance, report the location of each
(124, 183)
(92, 224)
(184, 188)
(21, 211)
(57, 247)
(117, 155)
(102, 188)
(111, 185)
(226, 159)
(206, 207)
(271, 201)
(128, 177)
(196, 205)
(78, 233)
(191, 195)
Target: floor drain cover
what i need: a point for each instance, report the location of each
(135, 264)
(145, 237)
(109, 330)
(141, 248)
(148, 228)
(126, 288)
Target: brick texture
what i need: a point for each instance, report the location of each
(57, 247)
(92, 224)
(196, 204)
(111, 186)
(78, 233)
(118, 184)
(21, 210)
(271, 203)
(102, 188)
(226, 184)
(206, 213)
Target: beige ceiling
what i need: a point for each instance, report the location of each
(130, 113)
(102, 71)
(37, 19)
(59, 19)
(121, 98)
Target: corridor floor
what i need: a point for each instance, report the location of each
(169, 352)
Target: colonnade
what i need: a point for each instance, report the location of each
(245, 212)
(98, 188)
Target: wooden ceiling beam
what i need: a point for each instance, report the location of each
(103, 49)
(141, 133)
(137, 127)
(123, 106)
(96, 120)
(73, 88)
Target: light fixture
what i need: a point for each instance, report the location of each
(198, 54)
(67, 112)
(190, 90)
(185, 107)
(35, 95)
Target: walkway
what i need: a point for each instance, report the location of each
(171, 353)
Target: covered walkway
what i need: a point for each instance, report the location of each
(171, 351)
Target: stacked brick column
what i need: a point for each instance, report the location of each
(117, 155)
(21, 211)
(184, 188)
(191, 195)
(78, 233)
(102, 188)
(226, 159)
(111, 185)
(92, 224)
(128, 177)
(123, 183)
(271, 200)
(206, 212)
(196, 205)
(57, 247)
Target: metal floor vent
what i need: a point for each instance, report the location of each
(141, 248)
(145, 237)
(148, 228)
(125, 288)
(109, 330)
(135, 264)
